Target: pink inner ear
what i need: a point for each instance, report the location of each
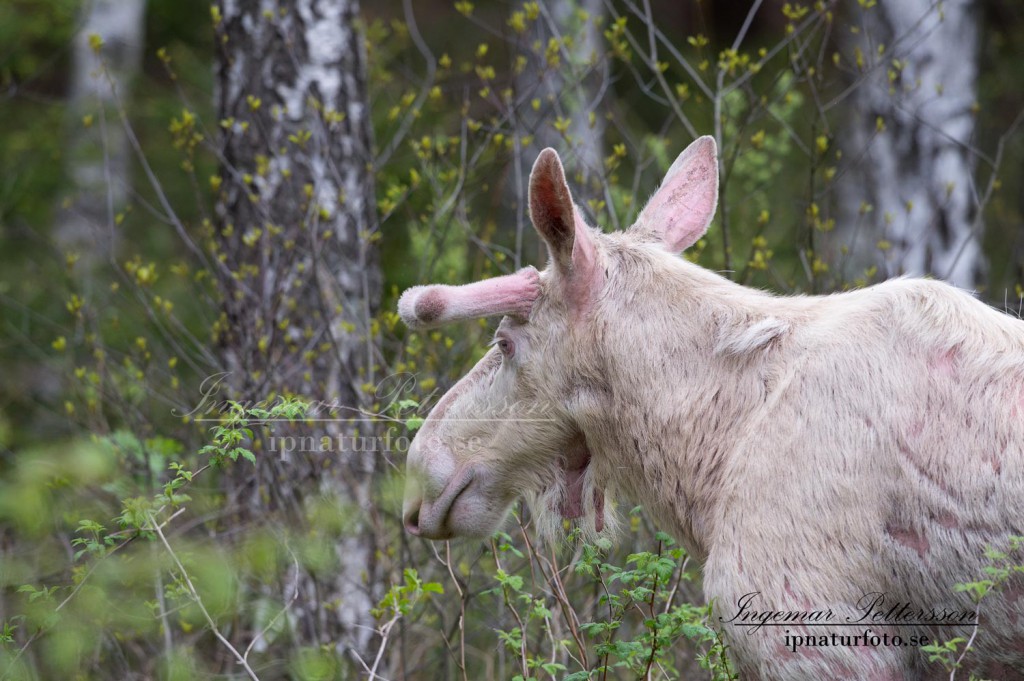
(683, 207)
(423, 307)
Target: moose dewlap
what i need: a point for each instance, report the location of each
(810, 450)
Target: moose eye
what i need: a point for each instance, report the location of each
(506, 346)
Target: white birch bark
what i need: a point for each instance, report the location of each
(916, 174)
(298, 214)
(575, 98)
(99, 160)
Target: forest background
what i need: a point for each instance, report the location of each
(208, 211)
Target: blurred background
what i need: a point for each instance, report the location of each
(208, 211)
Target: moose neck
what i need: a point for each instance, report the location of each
(679, 389)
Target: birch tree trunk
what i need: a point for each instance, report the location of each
(911, 128)
(573, 23)
(99, 161)
(298, 226)
(577, 51)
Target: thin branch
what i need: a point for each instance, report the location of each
(199, 601)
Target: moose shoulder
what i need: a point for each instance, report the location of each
(812, 450)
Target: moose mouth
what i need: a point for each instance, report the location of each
(432, 519)
(573, 466)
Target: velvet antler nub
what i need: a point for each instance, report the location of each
(426, 307)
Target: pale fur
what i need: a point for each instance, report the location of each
(812, 449)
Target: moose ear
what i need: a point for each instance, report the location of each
(556, 219)
(680, 211)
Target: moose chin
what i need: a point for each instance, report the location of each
(812, 449)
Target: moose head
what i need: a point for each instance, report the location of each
(526, 421)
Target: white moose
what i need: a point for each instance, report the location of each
(812, 451)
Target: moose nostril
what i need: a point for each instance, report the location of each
(412, 521)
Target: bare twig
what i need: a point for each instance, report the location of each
(158, 529)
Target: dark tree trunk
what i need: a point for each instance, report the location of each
(297, 232)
